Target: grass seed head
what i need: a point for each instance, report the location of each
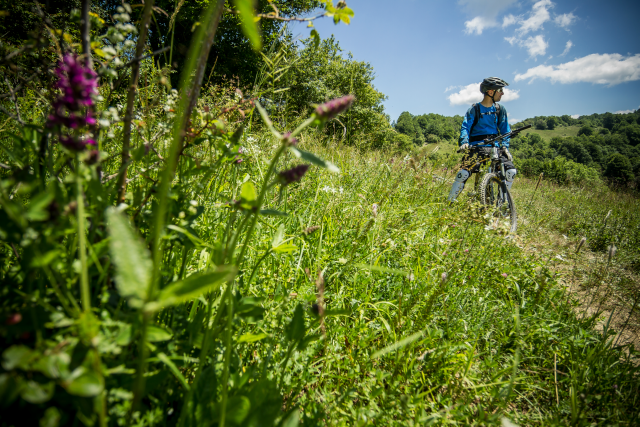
(612, 252)
(311, 230)
(580, 244)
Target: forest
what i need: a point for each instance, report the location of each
(605, 149)
(207, 222)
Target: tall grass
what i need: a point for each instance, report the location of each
(219, 292)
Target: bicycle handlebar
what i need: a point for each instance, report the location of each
(500, 138)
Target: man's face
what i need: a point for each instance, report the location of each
(496, 94)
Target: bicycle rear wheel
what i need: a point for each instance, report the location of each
(495, 196)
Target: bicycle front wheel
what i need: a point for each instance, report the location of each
(495, 196)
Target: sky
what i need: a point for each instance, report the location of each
(559, 57)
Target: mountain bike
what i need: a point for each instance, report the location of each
(493, 190)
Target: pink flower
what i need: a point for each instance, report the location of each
(331, 109)
(505, 275)
(292, 175)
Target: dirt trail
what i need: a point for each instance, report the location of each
(597, 285)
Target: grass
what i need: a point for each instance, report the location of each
(371, 302)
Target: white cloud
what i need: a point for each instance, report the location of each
(478, 25)
(512, 40)
(509, 20)
(606, 69)
(575, 116)
(624, 111)
(485, 13)
(450, 88)
(567, 48)
(514, 121)
(536, 46)
(565, 19)
(537, 17)
(471, 93)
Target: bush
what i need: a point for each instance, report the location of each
(585, 130)
(619, 169)
(560, 171)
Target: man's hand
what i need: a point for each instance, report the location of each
(508, 154)
(464, 147)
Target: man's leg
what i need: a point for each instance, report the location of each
(458, 184)
(510, 175)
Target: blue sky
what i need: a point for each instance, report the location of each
(560, 57)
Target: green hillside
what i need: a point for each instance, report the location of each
(563, 131)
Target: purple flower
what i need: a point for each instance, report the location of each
(76, 144)
(331, 109)
(292, 175)
(505, 275)
(78, 84)
(289, 140)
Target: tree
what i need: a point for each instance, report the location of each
(540, 124)
(552, 122)
(608, 121)
(231, 54)
(619, 169)
(585, 130)
(405, 124)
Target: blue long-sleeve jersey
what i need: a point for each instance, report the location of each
(487, 125)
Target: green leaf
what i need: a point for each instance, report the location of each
(278, 237)
(192, 287)
(293, 420)
(382, 269)
(37, 210)
(157, 334)
(174, 369)
(337, 312)
(44, 259)
(131, 258)
(313, 159)
(285, 248)
(237, 409)
(10, 386)
(397, 345)
(87, 384)
(37, 393)
(124, 336)
(252, 337)
(249, 24)
(316, 38)
(51, 417)
(272, 212)
(17, 356)
(296, 329)
(248, 192)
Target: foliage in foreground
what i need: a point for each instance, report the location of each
(205, 274)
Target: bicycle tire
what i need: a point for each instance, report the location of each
(490, 187)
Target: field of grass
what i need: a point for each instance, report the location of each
(560, 131)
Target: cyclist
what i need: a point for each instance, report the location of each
(483, 120)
